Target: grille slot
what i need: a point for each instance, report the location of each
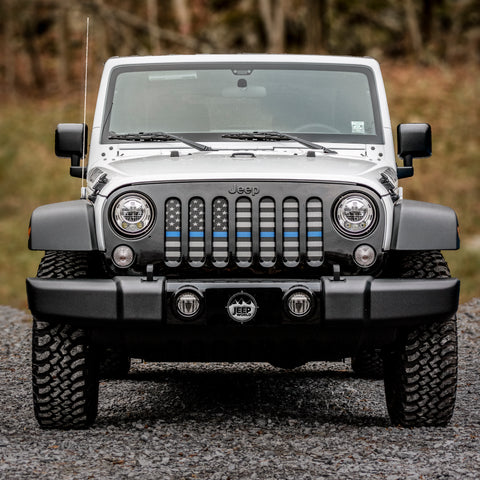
(267, 231)
(291, 234)
(196, 231)
(249, 232)
(243, 226)
(220, 232)
(173, 225)
(314, 232)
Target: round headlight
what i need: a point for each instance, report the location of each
(132, 214)
(355, 214)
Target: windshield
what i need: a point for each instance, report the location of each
(319, 102)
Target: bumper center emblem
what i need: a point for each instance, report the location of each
(242, 307)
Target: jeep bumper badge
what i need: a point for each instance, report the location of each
(242, 307)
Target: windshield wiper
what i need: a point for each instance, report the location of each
(157, 137)
(276, 136)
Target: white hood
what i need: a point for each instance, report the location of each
(258, 166)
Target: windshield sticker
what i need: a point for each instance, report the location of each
(358, 126)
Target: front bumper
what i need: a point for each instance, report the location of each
(360, 301)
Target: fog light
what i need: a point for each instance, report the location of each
(123, 256)
(299, 304)
(364, 256)
(188, 304)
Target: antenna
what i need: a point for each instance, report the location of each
(85, 110)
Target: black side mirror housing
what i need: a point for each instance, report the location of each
(414, 141)
(71, 140)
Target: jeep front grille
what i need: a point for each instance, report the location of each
(247, 232)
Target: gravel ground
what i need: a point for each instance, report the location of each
(247, 421)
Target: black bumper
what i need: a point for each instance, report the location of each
(361, 301)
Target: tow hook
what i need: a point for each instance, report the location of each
(149, 273)
(336, 274)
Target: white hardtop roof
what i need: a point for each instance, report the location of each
(242, 57)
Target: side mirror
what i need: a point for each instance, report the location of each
(414, 141)
(71, 140)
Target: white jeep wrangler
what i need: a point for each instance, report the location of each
(243, 208)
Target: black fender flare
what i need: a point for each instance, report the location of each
(424, 226)
(63, 226)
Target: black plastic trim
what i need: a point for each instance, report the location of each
(351, 301)
(63, 226)
(424, 226)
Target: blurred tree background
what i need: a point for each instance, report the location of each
(429, 52)
(42, 40)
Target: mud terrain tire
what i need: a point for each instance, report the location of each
(64, 366)
(421, 368)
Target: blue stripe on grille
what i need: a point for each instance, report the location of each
(290, 234)
(267, 234)
(220, 234)
(315, 234)
(244, 234)
(172, 234)
(197, 234)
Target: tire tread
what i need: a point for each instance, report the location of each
(421, 369)
(65, 385)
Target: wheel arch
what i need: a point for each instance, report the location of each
(63, 226)
(419, 226)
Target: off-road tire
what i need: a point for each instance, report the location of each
(368, 364)
(421, 368)
(64, 366)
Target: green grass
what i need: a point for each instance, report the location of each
(450, 101)
(465, 265)
(31, 175)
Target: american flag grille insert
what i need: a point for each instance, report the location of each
(243, 226)
(291, 234)
(196, 230)
(173, 225)
(314, 230)
(220, 231)
(266, 231)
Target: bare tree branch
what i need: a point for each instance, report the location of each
(273, 17)
(413, 28)
(8, 49)
(184, 17)
(152, 15)
(133, 21)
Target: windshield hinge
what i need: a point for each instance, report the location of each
(97, 188)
